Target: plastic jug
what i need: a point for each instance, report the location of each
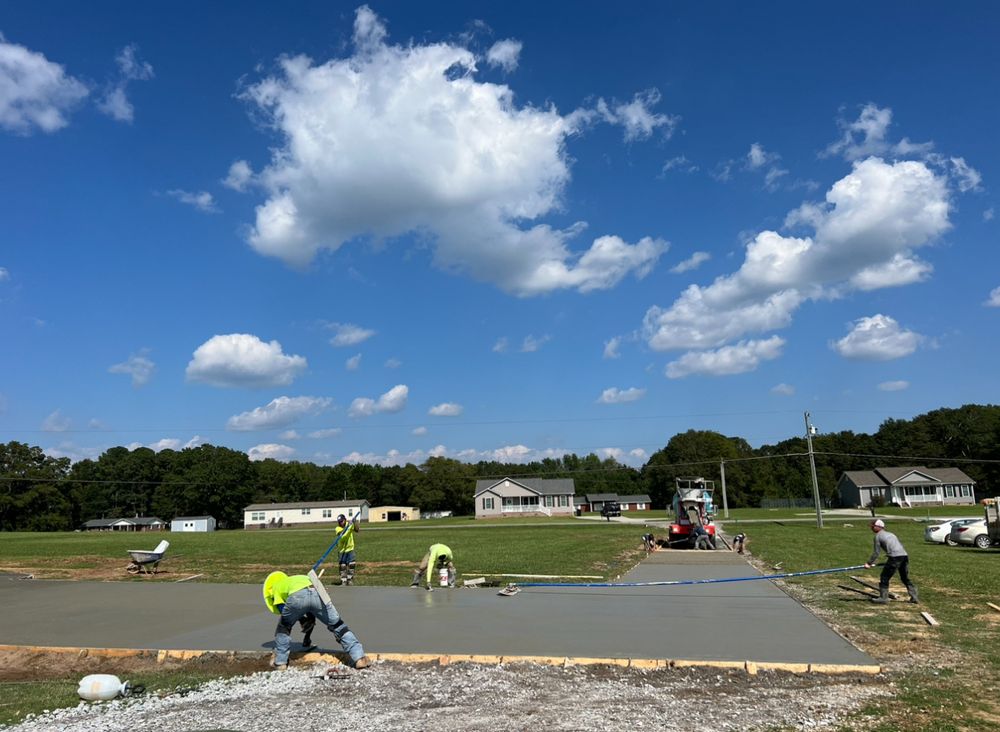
(443, 576)
(102, 687)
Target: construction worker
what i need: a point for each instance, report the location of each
(348, 561)
(292, 597)
(739, 542)
(437, 557)
(702, 539)
(897, 560)
(648, 542)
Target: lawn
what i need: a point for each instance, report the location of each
(946, 677)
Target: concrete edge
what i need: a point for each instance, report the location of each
(751, 667)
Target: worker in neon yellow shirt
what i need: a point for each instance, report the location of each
(292, 597)
(348, 560)
(437, 557)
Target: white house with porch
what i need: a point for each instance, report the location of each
(524, 497)
(913, 486)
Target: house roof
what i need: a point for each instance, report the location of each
(97, 523)
(134, 521)
(881, 477)
(641, 498)
(304, 504)
(591, 497)
(541, 486)
(192, 518)
(579, 500)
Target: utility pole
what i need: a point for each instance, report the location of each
(810, 431)
(725, 502)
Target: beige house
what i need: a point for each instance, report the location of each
(378, 514)
(524, 497)
(276, 515)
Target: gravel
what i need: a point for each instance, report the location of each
(460, 697)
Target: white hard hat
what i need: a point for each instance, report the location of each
(879, 523)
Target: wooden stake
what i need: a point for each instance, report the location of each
(929, 618)
(995, 607)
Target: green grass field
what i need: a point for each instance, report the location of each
(946, 677)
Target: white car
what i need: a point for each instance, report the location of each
(938, 533)
(975, 533)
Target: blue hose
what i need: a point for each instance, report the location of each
(689, 582)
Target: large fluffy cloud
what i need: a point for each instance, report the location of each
(728, 360)
(878, 338)
(863, 236)
(279, 412)
(399, 139)
(271, 451)
(241, 359)
(34, 92)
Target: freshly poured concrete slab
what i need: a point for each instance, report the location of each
(752, 620)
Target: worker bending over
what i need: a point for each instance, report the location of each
(437, 557)
(292, 597)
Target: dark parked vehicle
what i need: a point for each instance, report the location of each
(611, 508)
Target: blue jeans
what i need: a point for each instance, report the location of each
(308, 601)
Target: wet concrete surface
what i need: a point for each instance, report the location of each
(735, 621)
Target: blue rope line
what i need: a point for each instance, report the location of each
(688, 582)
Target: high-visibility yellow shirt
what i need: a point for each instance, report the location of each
(345, 545)
(281, 589)
(437, 552)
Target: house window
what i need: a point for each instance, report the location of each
(327, 513)
(487, 504)
(350, 512)
(563, 500)
(383, 517)
(306, 511)
(549, 501)
(966, 491)
(949, 491)
(257, 516)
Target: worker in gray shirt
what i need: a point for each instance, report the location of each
(897, 561)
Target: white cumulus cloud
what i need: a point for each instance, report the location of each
(504, 54)
(993, 300)
(867, 228)
(353, 363)
(692, 262)
(279, 412)
(868, 135)
(393, 400)
(614, 395)
(241, 359)
(878, 338)
(736, 359)
(35, 93)
(202, 200)
(403, 138)
(348, 334)
(239, 177)
(637, 117)
(139, 366)
(271, 451)
(446, 409)
(419, 431)
(530, 344)
(114, 102)
(611, 347)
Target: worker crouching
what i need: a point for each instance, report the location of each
(293, 597)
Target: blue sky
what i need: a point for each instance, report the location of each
(505, 231)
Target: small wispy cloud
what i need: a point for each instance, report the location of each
(692, 262)
(894, 385)
(783, 389)
(202, 200)
(530, 344)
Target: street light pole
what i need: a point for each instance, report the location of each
(810, 430)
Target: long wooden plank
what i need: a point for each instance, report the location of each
(929, 618)
(860, 592)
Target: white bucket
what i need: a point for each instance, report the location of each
(101, 687)
(443, 576)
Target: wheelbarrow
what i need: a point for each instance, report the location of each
(146, 562)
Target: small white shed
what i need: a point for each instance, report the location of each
(193, 523)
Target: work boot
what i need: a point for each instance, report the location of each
(883, 596)
(363, 662)
(914, 597)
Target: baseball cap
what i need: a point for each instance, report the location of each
(879, 523)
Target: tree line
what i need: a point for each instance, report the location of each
(43, 493)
